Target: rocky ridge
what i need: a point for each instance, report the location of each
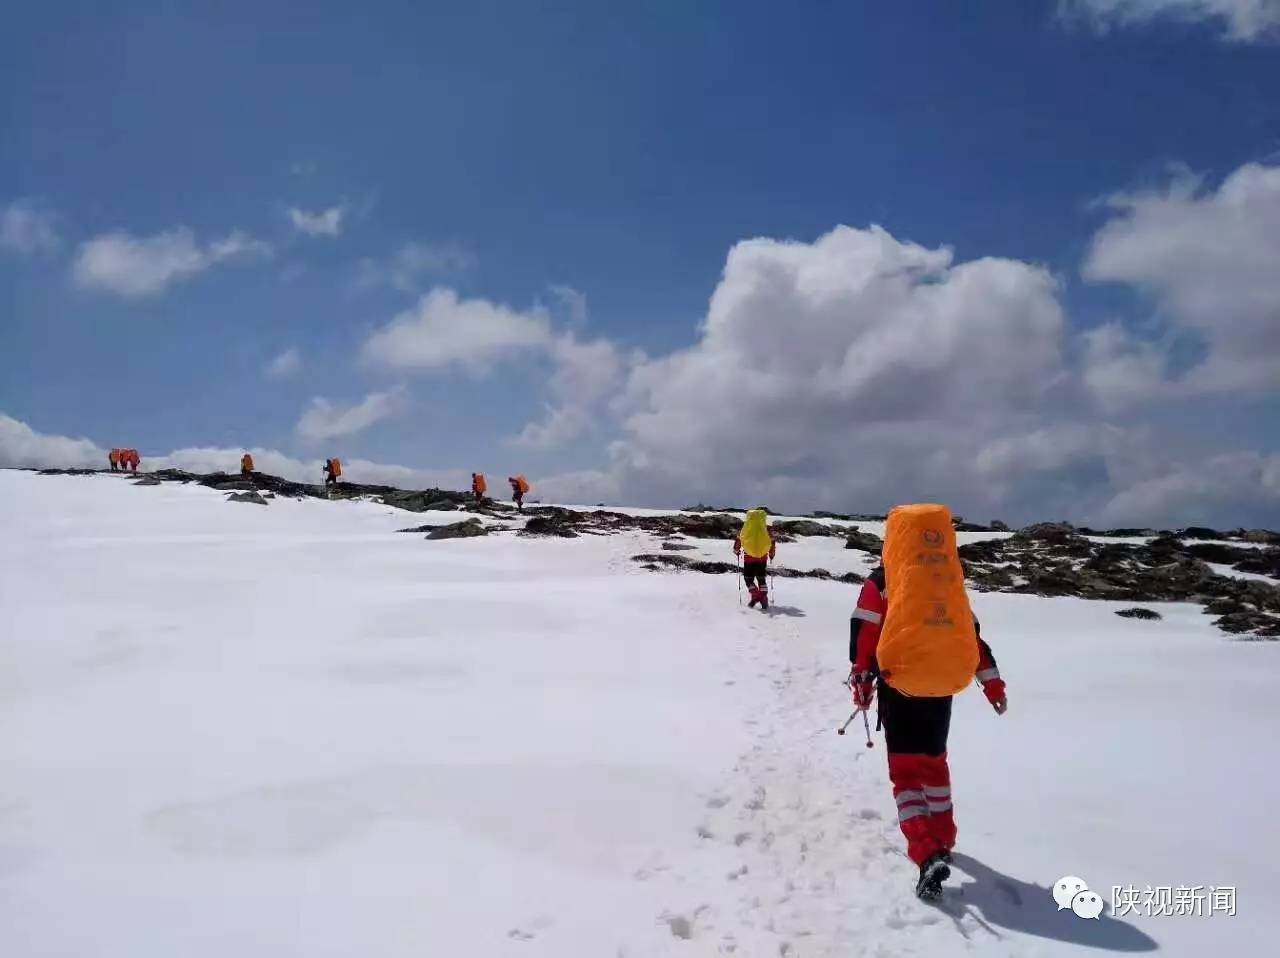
(1046, 559)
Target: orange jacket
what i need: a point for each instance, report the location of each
(478, 485)
(246, 463)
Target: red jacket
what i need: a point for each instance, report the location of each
(864, 632)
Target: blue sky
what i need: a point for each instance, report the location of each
(514, 149)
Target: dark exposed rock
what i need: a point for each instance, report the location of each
(247, 497)
(998, 526)
(148, 481)
(820, 514)
(466, 529)
(961, 526)
(1219, 552)
(806, 527)
(1149, 615)
(650, 561)
(1261, 562)
(1054, 532)
(1264, 536)
(1200, 532)
(236, 485)
(864, 542)
(985, 550)
(677, 547)
(550, 525)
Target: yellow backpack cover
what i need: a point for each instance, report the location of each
(754, 536)
(928, 645)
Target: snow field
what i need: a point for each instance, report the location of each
(230, 729)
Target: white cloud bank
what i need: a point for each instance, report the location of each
(1240, 20)
(443, 331)
(1210, 260)
(21, 447)
(134, 267)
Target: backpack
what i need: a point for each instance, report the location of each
(754, 536)
(928, 644)
(337, 467)
(522, 485)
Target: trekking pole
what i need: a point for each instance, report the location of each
(866, 724)
(739, 559)
(849, 721)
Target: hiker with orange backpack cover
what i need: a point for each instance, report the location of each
(914, 638)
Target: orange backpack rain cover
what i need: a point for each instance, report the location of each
(522, 484)
(337, 467)
(928, 646)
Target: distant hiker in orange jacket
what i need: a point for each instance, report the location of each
(113, 457)
(332, 470)
(519, 488)
(246, 464)
(478, 486)
(914, 638)
(132, 459)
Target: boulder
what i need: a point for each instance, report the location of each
(805, 527)
(1148, 615)
(551, 525)
(986, 550)
(1264, 536)
(864, 542)
(1218, 552)
(247, 497)
(235, 485)
(467, 529)
(1052, 532)
(1261, 562)
(1200, 532)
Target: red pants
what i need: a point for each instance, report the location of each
(922, 789)
(915, 731)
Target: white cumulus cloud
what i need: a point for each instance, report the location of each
(21, 447)
(854, 368)
(1208, 259)
(325, 420)
(28, 228)
(323, 223)
(443, 330)
(587, 375)
(1239, 20)
(133, 266)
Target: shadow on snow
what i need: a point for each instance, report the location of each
(995, 901)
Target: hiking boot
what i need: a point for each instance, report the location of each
(933, 873)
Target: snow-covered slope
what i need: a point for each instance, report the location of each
(228, 729)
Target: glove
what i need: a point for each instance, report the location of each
(994, 691)
(861, 685)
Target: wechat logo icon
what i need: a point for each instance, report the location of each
(1073, 893)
